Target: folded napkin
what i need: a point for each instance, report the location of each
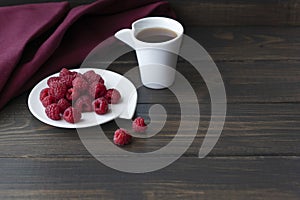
(36, 40)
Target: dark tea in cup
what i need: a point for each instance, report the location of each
(156, 35)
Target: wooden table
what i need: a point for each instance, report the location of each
(256, 157)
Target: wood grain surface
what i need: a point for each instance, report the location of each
(189, 178)
(249, 131)
(257, 155)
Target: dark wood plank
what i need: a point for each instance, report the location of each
(248, 43)
(237, 12)
(187, 178)
(244, 81)
(219, 12)
(250, 129)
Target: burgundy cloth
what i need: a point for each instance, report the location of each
(37, 40)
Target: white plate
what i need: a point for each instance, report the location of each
(124, 109)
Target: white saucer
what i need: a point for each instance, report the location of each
(124, 109)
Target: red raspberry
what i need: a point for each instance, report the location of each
(58, 90)
(64, 72)
(67, 80)
(63, 105)
(72, 94)
(138, 125)
(97, 90)
(122, 137)
(75, 74)
(44, 93)
(72, 115)
(84, 104)
(100, 106)
(80, 83)
(92, 77)
(48, 100)
(112, 96)
(52, 80)
(53, 111)
(80, 75)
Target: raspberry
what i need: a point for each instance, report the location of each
(79, 75)
(51, 80)
(64, 72)
(53, 111)
(63, 105)
(72, 115)
(100, 106)
(48, 100)
(67, 80)
(97, 90)
(58, 90)
(84, 104)
(72, 94)
(112, 96)
(122, 137)
(80, 83)
(92, 77)
(138, 125)
(44, 93)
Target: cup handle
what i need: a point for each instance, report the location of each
(125, 35)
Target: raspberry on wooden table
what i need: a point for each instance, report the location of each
(122, 137)
(100, 106)
(84, 104)
(53, 111)
(72, 115)
(112, 96)
(138, 125)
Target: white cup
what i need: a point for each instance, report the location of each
(157, 60)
